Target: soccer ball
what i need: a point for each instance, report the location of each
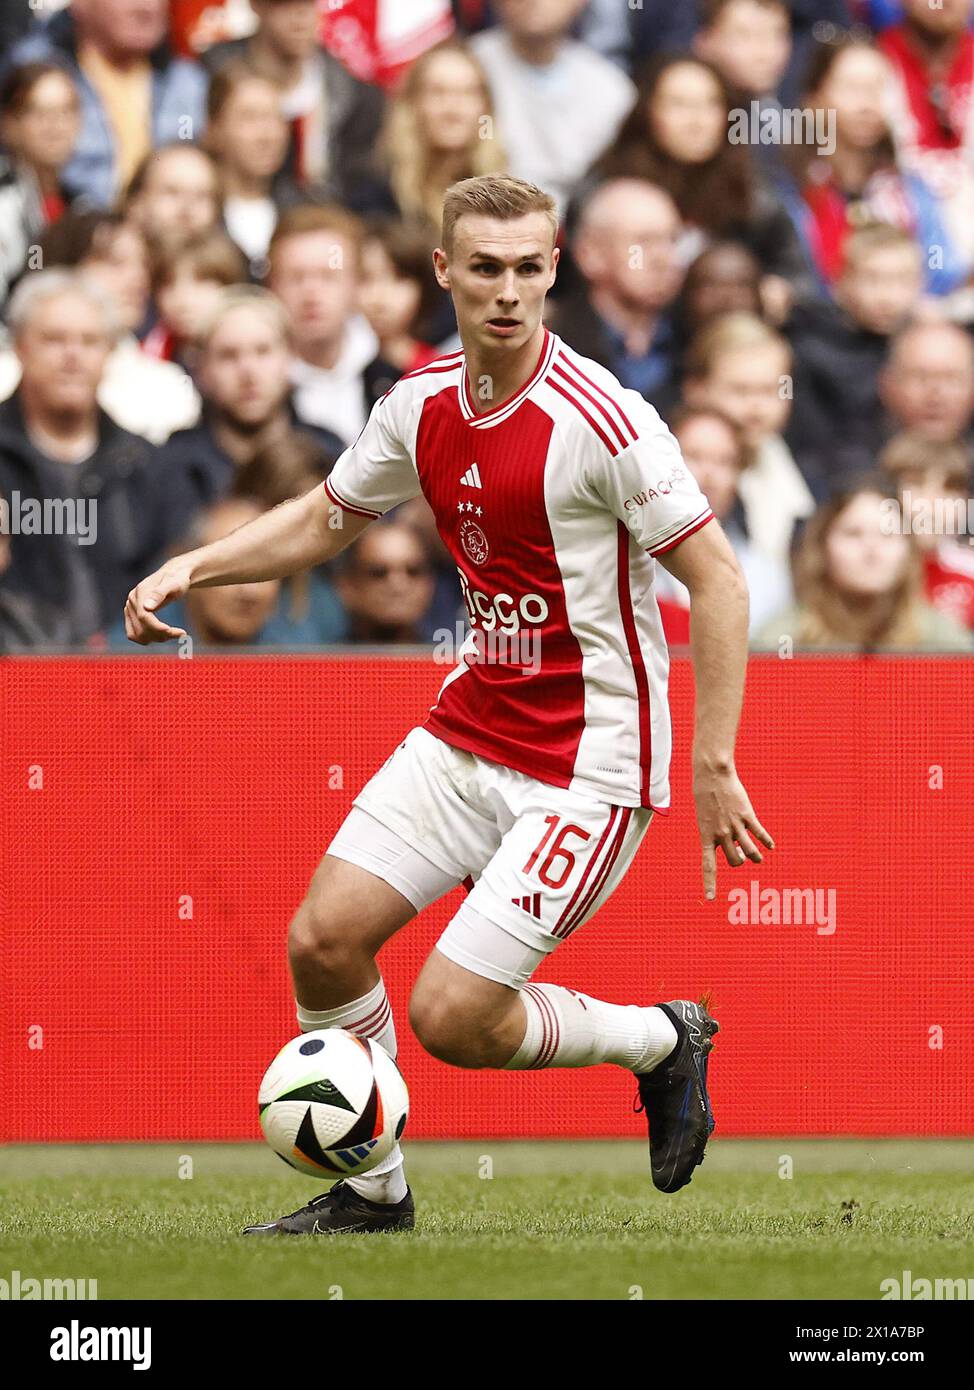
(331, 1103)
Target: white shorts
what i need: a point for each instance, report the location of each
(539, 860)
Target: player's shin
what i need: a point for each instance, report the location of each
(368, 1017)
(566, 1029)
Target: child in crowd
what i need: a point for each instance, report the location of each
(186, 280)
(397, 294)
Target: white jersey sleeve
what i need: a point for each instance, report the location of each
(377, 472)
(647, 485)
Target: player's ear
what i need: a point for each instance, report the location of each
(441, 268)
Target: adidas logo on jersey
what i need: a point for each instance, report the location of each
(530, 903)
(472, 477)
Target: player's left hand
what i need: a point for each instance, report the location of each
(726, 820)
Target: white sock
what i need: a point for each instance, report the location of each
(368, 1017)
(568, 1029)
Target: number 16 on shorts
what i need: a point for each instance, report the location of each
(559, 869)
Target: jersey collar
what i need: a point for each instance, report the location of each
(507, 408)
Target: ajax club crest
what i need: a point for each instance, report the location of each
(474, 542)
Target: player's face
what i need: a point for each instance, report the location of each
(863, 559)
(499, 273)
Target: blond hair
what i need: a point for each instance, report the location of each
(877, 236)
(495, 195)
(245, 296)
(736, 332)
(417, 184)
(911, 452)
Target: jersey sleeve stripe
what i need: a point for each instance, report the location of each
(576, 386)
(339, 501)
(682, 534)
(613, 449)
(630, 427)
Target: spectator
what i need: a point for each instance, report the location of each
(643, 29)
(740, 365)
(625, 251)
(144, 396)
(314, 270)
(447, 609)
(932, 56)
(840, 349)
(174, 194)
(134, 93)
(439, 129)
(724, 279)
(39, 124)
(830, 194)
(109, 249)
(749, 42)
(927, 385)
(933, 484)
(386, 586)
(187, 277)
(334, 119)
(714, 450)
(398, 295)
(243, 375)
(627, 33)
(677, 137)
(248, 135)
(559, 104)
(858, 585)
(26, 621)
(291, 467)
(224, 617)
(59, 448)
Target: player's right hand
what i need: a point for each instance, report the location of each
(141, 624)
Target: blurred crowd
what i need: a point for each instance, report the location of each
(215, 233)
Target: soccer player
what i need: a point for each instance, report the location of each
(546, 754)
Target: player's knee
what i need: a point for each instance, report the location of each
(450, 1031)
(317, 940)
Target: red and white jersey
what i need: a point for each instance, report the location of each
(552, 505)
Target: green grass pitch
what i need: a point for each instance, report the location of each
(555, 1220)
